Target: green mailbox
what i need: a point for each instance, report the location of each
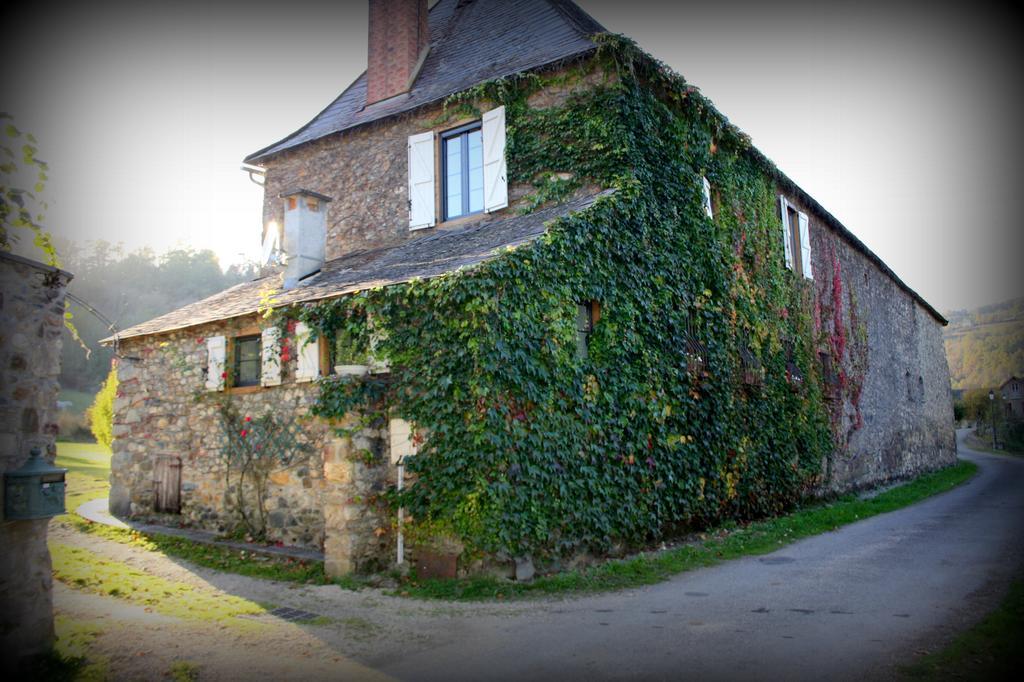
(35, 491)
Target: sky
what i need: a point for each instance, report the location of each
(901, 119)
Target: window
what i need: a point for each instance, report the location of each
(472, 168)
(796, 237)
(587, 315)
(829, 378)
(706, 192)
(248, 360)
(462, 154)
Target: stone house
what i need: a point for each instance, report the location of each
(1012, 392)
(31, 327)
(417, 173)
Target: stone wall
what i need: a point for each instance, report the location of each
(900, 422)
(163, 410)
(31, 323)
(365, 172)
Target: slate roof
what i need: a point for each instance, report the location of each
(471, 42)
(437, 254)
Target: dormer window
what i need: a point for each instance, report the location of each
(462, 156)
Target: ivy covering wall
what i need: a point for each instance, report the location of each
(527, 447)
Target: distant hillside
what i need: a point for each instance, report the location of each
(985, 346)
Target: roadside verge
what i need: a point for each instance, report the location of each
(715, 546)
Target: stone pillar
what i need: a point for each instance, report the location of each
(31, 324)
(355, 471)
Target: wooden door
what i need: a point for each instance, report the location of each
(167, 484)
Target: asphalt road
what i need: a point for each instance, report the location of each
(850, 604)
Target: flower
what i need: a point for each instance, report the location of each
(248, 419)
(200, 340)
(223, 375)
(244, 433)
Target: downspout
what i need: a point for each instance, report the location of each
(400, 544)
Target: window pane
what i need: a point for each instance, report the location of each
(584, 326)
(247, 361)
(476, 171)
(453, 177)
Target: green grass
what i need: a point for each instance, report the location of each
(82, 569)
(184, 671)
(88, 477)
(723, 544)
(991, 650)
(74, 642)
(216, 557)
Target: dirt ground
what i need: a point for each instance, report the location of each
(350, 630)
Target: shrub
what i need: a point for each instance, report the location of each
(101, 413)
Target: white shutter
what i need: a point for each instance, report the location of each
(308, 354)
(805, 246)
(216, 350)
(270, 363)
(495, 170)
(787, 235)
(421, 181)
(707, 197)
(400, 433)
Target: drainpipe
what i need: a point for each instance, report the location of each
(400, 559)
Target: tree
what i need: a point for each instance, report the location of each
(22, 209)
(101, 413)
(976, 404)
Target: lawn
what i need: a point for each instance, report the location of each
(88, 466)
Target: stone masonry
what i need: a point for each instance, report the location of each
(163, 410)
(365, 172)
(31, 323)
(901, 424)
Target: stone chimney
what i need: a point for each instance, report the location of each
(305, 234)
(399, 39)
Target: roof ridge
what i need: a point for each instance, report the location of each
(536, 33)
(578, 17)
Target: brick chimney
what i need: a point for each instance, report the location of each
(399, 38)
